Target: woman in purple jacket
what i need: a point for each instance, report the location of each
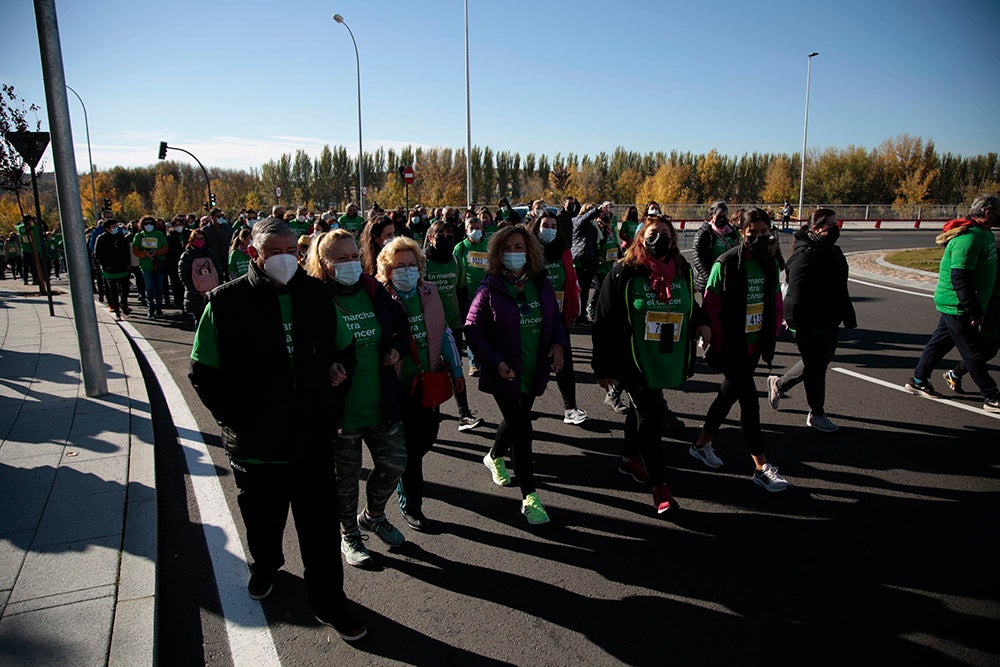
(516, 332)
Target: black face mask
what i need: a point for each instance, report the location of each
(831, 236)
(759, 245)
(443, 247)
(658, 245)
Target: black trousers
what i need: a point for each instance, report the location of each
(514, 434)
(117, 293)
(816, 349)
(738, 385)
(309, 488)
(566, 381)
(642, 430)
(420, 427)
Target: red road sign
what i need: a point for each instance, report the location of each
(408, 175)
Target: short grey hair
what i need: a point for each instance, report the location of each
(983, 202)
(269, 228)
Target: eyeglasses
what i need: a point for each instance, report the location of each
(411, 265)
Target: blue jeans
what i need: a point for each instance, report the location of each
(956, 331)
(154, 289)
(388, 449)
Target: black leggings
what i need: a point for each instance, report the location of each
(642, 430)
(566, 381)
(738, 385)
(516, 433)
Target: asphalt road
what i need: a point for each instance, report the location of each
(885, 545)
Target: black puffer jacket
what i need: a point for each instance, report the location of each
(113, 253)
(817, 296)
(585, 239)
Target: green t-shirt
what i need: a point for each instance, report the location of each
(661, 361)
(629, 228)
(353, 225)
(205, 349)
(474, 259)
(25, 237)
(976, 251)
(418, 329)
(721, 244)
(144, 240)
(239, 263)
(299, 228)
(607, 254)
(755, 295)
(530, 307)
(363, 406)
(557, 278)
(445, 276)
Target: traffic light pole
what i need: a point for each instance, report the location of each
(203, 170)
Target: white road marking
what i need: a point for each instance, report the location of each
(898, 387)
(892, 289)
(250, 640)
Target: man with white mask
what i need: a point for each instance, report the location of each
(275, 332)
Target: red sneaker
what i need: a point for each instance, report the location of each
(634, 468)
(662, 499)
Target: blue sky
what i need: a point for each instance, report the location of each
(239, 83)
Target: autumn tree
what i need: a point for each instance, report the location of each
(778, 182)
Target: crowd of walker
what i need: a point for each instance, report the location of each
(371, 319)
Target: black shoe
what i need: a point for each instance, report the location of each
(347, 625)
(416, 520)
(261, 584)
(921, 389)
(669, 423)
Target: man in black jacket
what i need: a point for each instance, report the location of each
(276, 330)
(816, 304)
(113, 254)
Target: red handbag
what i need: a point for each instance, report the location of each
(429, 388)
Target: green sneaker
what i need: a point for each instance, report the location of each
(498, 469)
(533, 510)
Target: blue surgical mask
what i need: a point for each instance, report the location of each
(347, 273)
(547, 234)
(148, 228)
(514, 261)
(476, 235)
(405, 279)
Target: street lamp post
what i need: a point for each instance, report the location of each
(805, 130)
(468, 117)
(90, 157)
(163, 156)
(361, 151)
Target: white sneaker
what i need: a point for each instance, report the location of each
(574, 416)
(769, 478)
(821, 423)
(773, 392)
(705, 454)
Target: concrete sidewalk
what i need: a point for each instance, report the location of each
(77, 493)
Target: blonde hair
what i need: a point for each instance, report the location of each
(320, 248)
(534, 263)
(387, 257)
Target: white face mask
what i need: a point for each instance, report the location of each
(547, 234)
(300, 218)
(148, 228)
(514, 261)
(281, 268)
(251, 222)
(476, 235)
(223, 221)
(347, 273)
(405, 279)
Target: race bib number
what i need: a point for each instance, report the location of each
(478, 259)
(150, 243)
(655, 321)
(611, 255)
(559, 300)
(755, 317)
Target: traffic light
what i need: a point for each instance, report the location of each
(163, 150)
(107, 203)
(211, 198)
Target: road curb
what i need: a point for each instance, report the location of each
(134, 633)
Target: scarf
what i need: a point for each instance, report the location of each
(661, 276)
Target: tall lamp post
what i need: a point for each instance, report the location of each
(90, 157)
(361, 151)
(805, 130)
(468, 117)
(163, 156)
